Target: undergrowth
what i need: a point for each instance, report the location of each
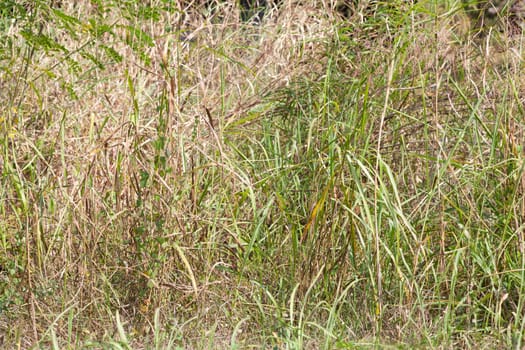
(174, 178)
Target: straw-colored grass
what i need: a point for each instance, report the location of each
(176, 180)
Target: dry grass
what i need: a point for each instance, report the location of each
(105, 161)
(176, 181)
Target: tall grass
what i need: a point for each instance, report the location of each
(172, 180)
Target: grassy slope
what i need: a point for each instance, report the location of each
(303, 184)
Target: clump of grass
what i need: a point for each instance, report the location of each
(175, 180)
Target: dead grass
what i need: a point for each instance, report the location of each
(171, 180)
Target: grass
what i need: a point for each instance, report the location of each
(173, 182)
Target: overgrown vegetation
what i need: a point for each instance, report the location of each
(178, 179)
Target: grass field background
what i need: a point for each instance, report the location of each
(173, 178)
